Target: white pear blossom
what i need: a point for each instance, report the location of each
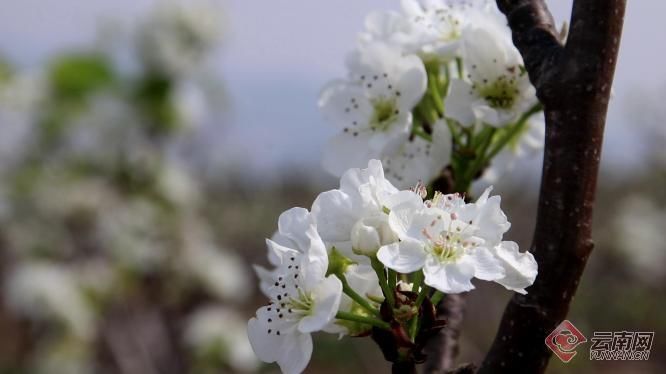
(445, 247)
(496, 89)
(302, 301)
(372, 107)
(419, 159)
(294, 231)
(356, 213)
(433, 28)
(453, 242)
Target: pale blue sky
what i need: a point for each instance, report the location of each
(277, 54)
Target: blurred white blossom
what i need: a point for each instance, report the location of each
(177, 37)
(44, 291)
(638, 230)
(221, 330)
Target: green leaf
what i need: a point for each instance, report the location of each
(74, 76)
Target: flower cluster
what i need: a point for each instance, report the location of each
(437, 85)
(369, 257)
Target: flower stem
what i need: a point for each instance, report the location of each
(362, 319)
(515, 130)
(433, 87)
(414, 323)
(378, 267)
(481, 159)
(417, 280)
(436, 298)
(360, 300)
(418, 131)
(392, 279)
(459, 66)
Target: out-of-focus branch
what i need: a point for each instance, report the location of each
(573, 82)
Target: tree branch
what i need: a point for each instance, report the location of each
(537, 39)
(442, 348)
(574, 85)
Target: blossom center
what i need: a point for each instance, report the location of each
(449, 245)
(446, 248)
(500, 94)
(384, 114)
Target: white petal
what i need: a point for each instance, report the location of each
(280, 252)
(495, 117)
(363, 279)
(354, 178)
(297, 354)
(334, 215)
(389, 141)
(420, 160)
(327, 300)
(345, 151)
(294, 224)
(489, 54)
(449, 278)
(487, 215)
(282, 240)
(521, 268)
(492, 221)
(267, 347)
(409, 222)
(400, 219)
(405, 257)
(266, 278)
(383, 24)
(405, 74)
(412, 81)
(458, 102)
(335, 103)
(484, 196)
(402, 199)
(411, 7)
(488, 115)
(365, 238)
(446, 51)
(314, 263)
(486, 266)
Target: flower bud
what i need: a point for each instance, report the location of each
(370, 233)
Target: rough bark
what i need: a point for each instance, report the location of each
(573, 82)
(442, 349)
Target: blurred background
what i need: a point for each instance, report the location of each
(148, 147)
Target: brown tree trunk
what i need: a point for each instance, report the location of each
(573, 81)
